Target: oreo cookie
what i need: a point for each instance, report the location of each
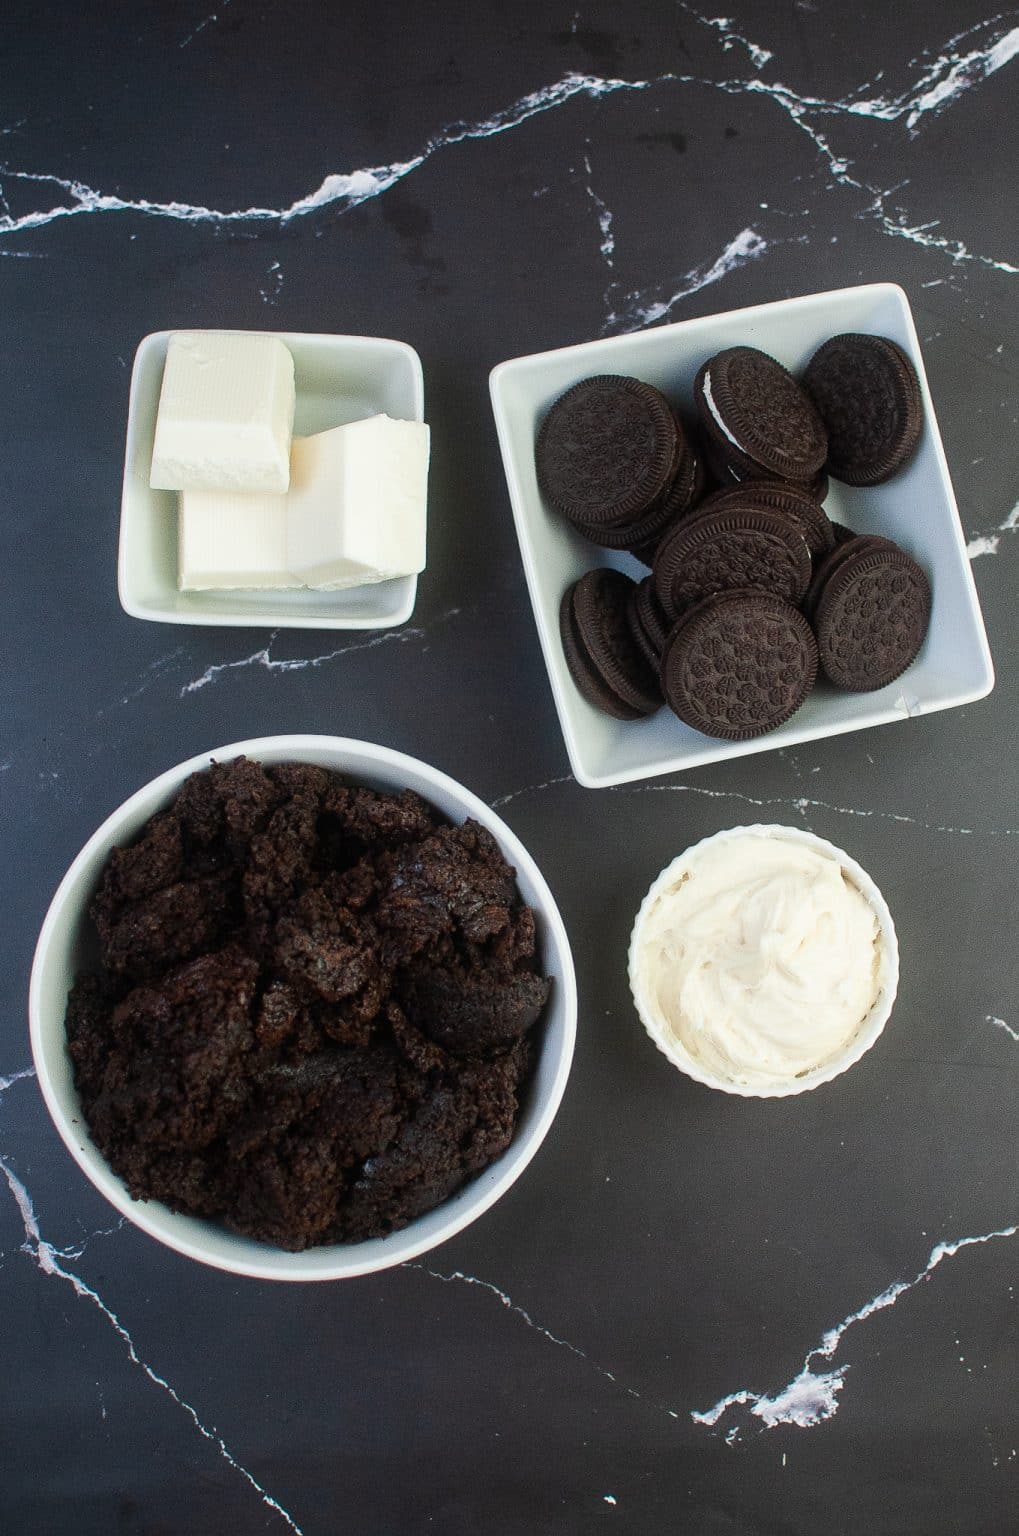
(728, 477)
(648, 624)
(834, 558)
(871, 614)
(679, 502)
(606, 451)
(604, 660)
(613, 457)
(867, 393)
(757, 419)
(648, 527)
(783, 497)
(650, 613)
(726, 548)
(739, 664)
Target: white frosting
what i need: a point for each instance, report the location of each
(760, 957)
(709, 401)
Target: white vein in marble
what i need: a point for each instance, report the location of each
(989, 543)
(725, 26)
(270, 294)
(157, 668)
(812, 1396)
(956, 250)
(608, 239)
(991, 1018)
(153, 672)
(930, 92)
(264, 658)
(642, 309)
(341, 191)
(803, 803)
(209, 21)
(950, 74)
(800, 803)
(458, 1277)
(938, 85)
(15, 1077)
(77, 1250)
(48, 1260)
(531, 789)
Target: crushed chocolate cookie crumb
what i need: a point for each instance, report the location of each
(314, 1011)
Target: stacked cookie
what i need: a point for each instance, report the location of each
(757, 423)
(753, 591)
(613, 459)
(869, 604)
(610, 662)
(866, 391)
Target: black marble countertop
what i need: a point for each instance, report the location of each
(693, 1312)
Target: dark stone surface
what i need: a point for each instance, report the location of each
(668, 1246)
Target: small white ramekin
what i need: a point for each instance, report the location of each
(870, 1027)
(64, 947)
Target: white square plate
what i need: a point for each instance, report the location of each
(917, 508)
(338, 379)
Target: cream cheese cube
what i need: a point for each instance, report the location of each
(232, 539)
(226, 413)
(357, 503)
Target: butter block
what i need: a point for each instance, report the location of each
(356, 510)
(226, 413)
(232, 539)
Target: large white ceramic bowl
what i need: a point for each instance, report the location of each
(916, 508)
(832, 1064)
(65, 945)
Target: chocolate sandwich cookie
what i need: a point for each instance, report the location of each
(817, 488)
(650, 613)
(606, 451)
(648, 528)
(718, 550)
(871, 615)
(868, 395)
(756, 417)
(854, 544)
(786, 499)
(601, 653)
(648, 624)
(588, 681)
(642, 641)
(728, 476)
(679, 501)
(641, 535)
(739, 664)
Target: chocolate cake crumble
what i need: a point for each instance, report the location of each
(315, 1005)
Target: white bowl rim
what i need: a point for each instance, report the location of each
(373, 1255)
(869, 1030)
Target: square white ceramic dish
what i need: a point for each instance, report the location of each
(338, 379)
(917, 508)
